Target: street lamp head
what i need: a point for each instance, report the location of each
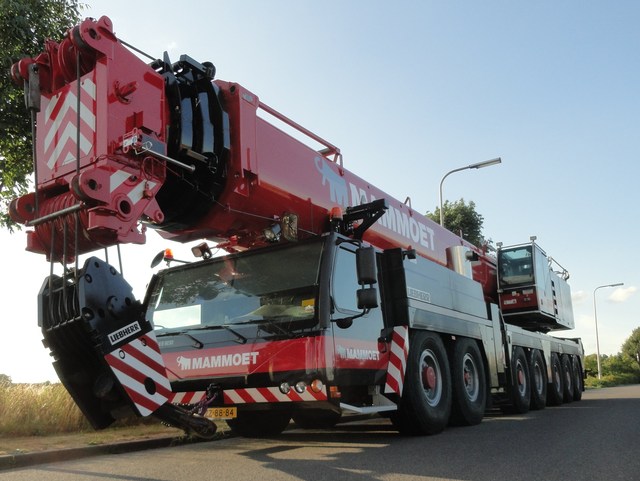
(479, 165)
(486, 163)
(617, 284)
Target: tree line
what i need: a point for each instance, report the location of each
(620, 368)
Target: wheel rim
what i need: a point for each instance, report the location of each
(567, 377)
(470, 378)
(521, 378)
(538, 377)
(577, 379)
(557, 379)
(431, 376)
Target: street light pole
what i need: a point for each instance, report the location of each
(595, 317)
(479, 165)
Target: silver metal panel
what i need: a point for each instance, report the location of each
(495, 352)
(436, 318)
(431, 283)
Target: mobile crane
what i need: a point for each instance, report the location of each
(332, 297)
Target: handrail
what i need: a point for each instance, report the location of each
(330, 148)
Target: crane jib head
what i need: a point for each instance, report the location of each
(118, 143)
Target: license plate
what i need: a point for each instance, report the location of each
(222, 413)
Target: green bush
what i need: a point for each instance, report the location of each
(616, 369)
(610, 380)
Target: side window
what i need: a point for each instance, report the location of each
(345, 281)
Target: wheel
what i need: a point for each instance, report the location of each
(426, 399)
(257, 424)
(567, 377)
(469, 384)
(316, 418)
(555, 394)
(538, 373)
(521, 387)
(578, 380)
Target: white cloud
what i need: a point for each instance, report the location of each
(578, 296)
(621, 294)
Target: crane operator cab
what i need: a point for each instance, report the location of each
(533, 295)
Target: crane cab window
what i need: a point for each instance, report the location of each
(345, 281)
(515, 266)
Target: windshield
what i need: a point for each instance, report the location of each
(516, 266)
(278, 285)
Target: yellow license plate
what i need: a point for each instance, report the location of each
(221, 413)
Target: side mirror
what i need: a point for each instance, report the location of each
(367, 298)
(367, 275)
(157, 259)
(366, 265)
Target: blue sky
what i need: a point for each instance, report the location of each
(409, 92)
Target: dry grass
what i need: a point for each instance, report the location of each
(41, 417)
(36, 409)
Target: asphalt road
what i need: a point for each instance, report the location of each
(595, 439)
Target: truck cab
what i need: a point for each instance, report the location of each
(283, 324)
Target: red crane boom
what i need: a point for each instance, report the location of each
(122, 146)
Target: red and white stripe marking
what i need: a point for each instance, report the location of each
(397, 360)
(133, 190)
(136, 362)
(187, 397)
(271, 395)
(60, 124)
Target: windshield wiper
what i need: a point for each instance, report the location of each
(241, 339)
(196, 343)
(262, 324)
(264, 320)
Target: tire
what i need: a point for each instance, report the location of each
(425, 406)
(555, 393)
(258, 424)
(469, 384)
(521, 382)
(578, 380)
(316, 418)
(567, 377)
(539, 381)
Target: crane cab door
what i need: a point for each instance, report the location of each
(358, 356)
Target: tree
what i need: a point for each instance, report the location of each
(619, 364)
(463, 219)
(24, 26)
(631, 346)
(591, 364)
(611, 365)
